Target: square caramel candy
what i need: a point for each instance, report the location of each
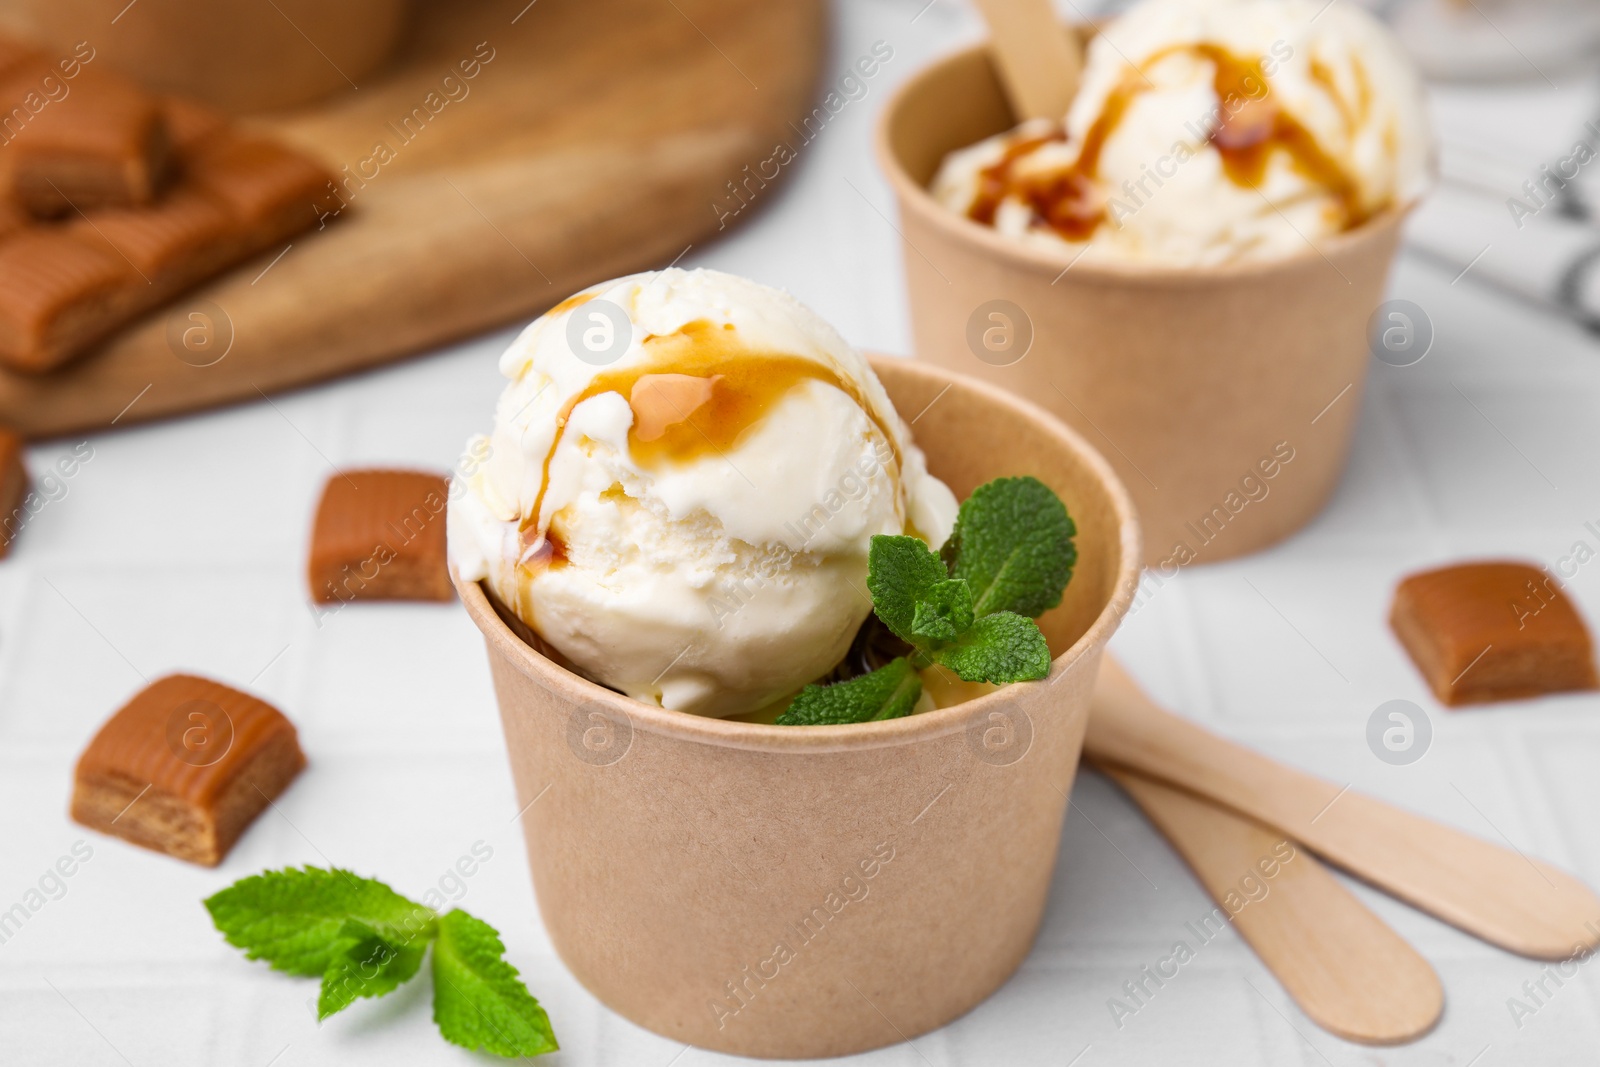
(59, 294)
(1496, 630)
(12, 219)
(190, 124)
(171, 244)
(271, 191)
(14, 51)
(184, 767)
(380, 535)
(13, 484)
(89, 141)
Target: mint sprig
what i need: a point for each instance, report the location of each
(1012, 543)
(887, 693)
(365, 940)
(296, 919)
(478, 1000)
(901, 573)
(372, 966)
(970, 607)
(1004, 646)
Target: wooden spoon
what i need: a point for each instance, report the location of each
(1348, 971)
(1038, 58)
(1495, 893)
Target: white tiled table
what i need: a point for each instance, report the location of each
(181, 546)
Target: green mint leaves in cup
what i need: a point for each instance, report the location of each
(969, 608)
(364, 940)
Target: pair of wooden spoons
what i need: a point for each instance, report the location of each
(1226, 808)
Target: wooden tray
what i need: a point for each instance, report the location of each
(598, 140)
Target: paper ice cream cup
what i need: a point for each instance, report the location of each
(802, 892)
(1225, 397)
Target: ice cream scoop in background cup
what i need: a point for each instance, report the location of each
(803, 892)
(1225, 396)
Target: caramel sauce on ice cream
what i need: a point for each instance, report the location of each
(1070, 201)
(699, 393)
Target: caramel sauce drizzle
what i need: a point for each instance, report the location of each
(699, 393)
(575, 300)
(1067, 201)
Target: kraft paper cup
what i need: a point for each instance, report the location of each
(1225, 397)
(805, 892)
(240, 55)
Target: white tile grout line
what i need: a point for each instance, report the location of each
(89, 1024)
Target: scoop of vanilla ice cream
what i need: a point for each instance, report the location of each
(1209, 131)
(686, 518)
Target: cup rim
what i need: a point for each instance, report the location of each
(910, 729)
(913, 197)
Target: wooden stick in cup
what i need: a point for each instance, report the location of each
(1038, 58)
(1499, 894)
(1349, 972)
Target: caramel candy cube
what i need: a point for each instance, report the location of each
(1489, 631)
(13, 484)
(184, 237)
(184, 767)
(268, 189)
(190, 124)
(12, 219)
(65, 286)
(13, 53)
(94, 140)
(379, 535)
(57, 295)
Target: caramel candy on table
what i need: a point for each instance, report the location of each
(13, 484)
(74, 144)
(380, 535)
(184, 767)
(1496, 630)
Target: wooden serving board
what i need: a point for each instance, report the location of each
(596, 141)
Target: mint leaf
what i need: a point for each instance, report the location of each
(371, 967)
(900, 572)
(295, 918)
(944, 613)
(1003, 647)
(478, 1000)
(887, 693)
(1012, 542)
